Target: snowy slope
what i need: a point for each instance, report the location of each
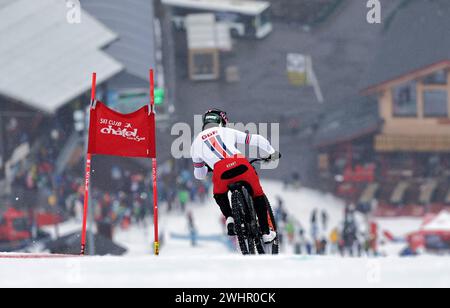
(139, 240)
(212, 264)
(207, 218)
(299, 203)
(225, 271)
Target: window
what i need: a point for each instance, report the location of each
(204, 64)
(266, 17)
(405, 100)
(227, 17)
(438, 78)
(179, 11)
(249, 23)
(435, 103)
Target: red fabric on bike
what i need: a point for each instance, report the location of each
(250, 177)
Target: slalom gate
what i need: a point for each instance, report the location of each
(150, 153)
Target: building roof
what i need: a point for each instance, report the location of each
(248, 7)
(347, 121)
(133, 21)
(201, 31)
(416, 36)
(45, 60)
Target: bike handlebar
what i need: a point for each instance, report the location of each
(275, 156)
(259, 160)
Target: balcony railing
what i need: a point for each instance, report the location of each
(389, 143)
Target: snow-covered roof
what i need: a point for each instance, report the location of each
(248, 7)
(203, 32)
(134, 22)
(46, 61)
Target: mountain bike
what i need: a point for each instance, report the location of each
(247, 227)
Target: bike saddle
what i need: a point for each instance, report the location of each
(235, 172)
(239, 185)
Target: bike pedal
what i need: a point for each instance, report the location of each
(231, 230)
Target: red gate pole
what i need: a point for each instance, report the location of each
(87, 177)
(154, 168)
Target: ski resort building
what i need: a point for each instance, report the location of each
(46, 63)
(138, 48)
(47, 60)
(390, 147)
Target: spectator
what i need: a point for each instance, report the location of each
(323, 246)
(301, 243)
(290, 231)
(350, 236)
(325, 220)
(314, 217)
(183, 198)
(334, 241)
(192, 229)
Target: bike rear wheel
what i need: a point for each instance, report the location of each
(239, 220)
(255, 230)
(246, 223)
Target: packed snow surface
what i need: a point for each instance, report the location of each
(212, 271)
(212, 264)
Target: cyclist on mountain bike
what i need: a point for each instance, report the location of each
(216, 149)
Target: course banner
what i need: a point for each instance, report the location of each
(126, 135)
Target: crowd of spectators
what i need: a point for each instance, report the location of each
(130, 197)
(346, 239)
(14, 134)
(34, 179)
(127, 198)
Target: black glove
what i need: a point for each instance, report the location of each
(274, 157)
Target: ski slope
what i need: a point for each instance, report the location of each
(225, 272)
(212, 264)
(207, 217)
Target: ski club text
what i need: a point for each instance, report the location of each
(117, 128)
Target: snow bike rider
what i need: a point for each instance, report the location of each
(215, 149)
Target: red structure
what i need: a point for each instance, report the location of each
(127, 135)
(14, 226)
(434, 235)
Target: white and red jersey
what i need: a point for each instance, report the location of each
(218, 143)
